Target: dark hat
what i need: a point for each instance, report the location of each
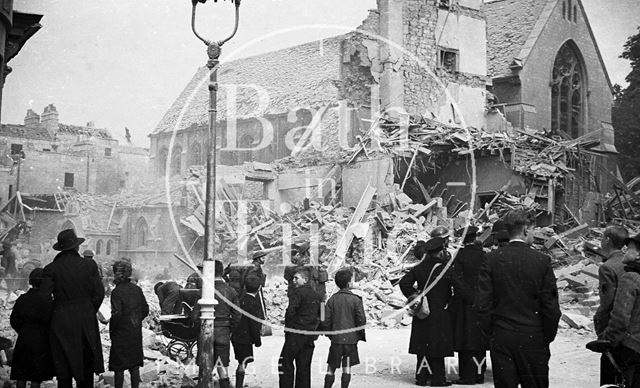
(471, 230)
(440, 231)
(88, 253)
(258, 255)
(635, 239)
(67, 239)
(435, 244)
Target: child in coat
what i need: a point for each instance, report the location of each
(344, 313)
(128, 310)
(30, 318)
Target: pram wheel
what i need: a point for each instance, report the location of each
(180, 351)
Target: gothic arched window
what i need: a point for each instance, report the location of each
(99, 247)
(142, 232)
(162, 161)
(109, 247)
(567, 92)
(195, 159)
(176, 161)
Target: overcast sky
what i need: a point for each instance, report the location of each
(122, 62)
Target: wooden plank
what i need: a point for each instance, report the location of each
(406, 176)
(558, 238)
(113, 209)
(347, 237)
(423, 190)
(498, 195)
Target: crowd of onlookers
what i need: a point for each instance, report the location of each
(500, 296)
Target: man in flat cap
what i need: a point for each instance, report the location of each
(517, 303)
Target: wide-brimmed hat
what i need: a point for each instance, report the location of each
(67, 239)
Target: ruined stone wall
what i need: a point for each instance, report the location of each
(250, 134)
(44, 172)
(420, 92)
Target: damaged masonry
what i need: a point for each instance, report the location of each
(347, 151)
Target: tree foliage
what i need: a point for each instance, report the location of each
(626, 112)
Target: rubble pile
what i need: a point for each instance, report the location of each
(534, 152)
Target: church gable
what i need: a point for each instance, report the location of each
(509, 25)
(563, 76)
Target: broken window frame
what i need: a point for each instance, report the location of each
(442, 52)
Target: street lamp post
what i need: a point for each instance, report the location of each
(207, 302)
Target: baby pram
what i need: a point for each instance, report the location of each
(181, 330)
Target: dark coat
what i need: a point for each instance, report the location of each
(517, 291)
(128, 310)
(432, 336)
(77, 295)
(468, 334)
(169, 298)
(624, 324)
(303, 312)
(30, 318)
(609, 274)
(344, 311)
(248, 330)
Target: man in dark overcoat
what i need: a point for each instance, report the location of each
(517, 302)
(432, 337)
(613, 240)
(77, 295)
(470, 342)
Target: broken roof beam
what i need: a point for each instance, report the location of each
(347, 237)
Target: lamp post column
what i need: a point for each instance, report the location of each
(207, 302)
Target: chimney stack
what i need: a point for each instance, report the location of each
(32, 119)
(50, 119)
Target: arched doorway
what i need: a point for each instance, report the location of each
(568, 87)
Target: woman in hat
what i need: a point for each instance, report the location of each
(128, 310)
(77, 295)
(431, 338)
(30, 318)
